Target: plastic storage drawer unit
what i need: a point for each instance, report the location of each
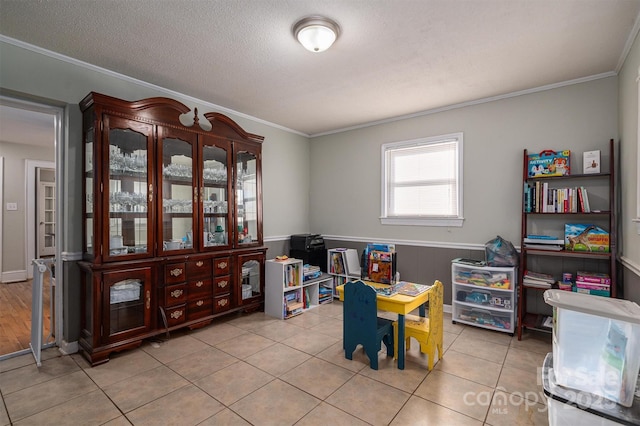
(484, 296)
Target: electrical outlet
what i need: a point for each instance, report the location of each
(12, 206)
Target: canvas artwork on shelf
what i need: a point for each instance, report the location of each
(591, 162)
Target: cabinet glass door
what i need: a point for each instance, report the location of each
(88, 186)
(215, 193)
(248, 221)
(127, 301)
(177, 191)
(251, 275)
(129, 185)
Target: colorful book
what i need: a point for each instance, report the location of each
(411, 289)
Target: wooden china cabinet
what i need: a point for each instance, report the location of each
(172, 228)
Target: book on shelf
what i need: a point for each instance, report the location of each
(550, 241)
(591, 162)
(540, 276)
(381, 267)
(584, 237)
(378, 249)
(593, 277)
(551, 247)
(538, 279)
(536, 283)
(539, 197)
(311, 272)
(337, 263)
(593, 286)
(294, 307)
(540, 237)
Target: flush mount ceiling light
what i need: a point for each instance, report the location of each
(316, 33)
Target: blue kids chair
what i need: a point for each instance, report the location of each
(361, 324)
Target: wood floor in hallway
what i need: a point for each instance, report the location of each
(15, 314)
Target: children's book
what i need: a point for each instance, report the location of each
(386, 291)
(411, 289)
(381, 267)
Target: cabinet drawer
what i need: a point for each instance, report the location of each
(485, 318)
(222, 285)
(491, 277)
(221, 266)
(199, 288)
(199, 308)
(484, 298)
(175, 294)
(175, 273)
(199, 268)
(221, 303)
(176, 315)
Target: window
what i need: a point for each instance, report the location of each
(422, 182)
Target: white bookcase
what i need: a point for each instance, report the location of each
(286, 293)
(342, 265)
(484, 296)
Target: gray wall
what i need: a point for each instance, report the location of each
(346, 173)
(630, 162)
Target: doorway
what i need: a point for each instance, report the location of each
(29, 219)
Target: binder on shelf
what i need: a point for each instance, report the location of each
(353, 263)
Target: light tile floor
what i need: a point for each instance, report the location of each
(253, 369)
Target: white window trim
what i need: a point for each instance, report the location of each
(422, 220)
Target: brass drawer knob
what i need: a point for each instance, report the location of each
(199, 263)
(199, 284)
(223, 283)
(176, 314)
(200, 303)
(176, 272)
(176, 293)
(222, 265)
(223, 302)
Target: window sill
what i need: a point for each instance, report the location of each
(418, 221)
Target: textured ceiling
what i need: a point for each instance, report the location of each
(393, 57)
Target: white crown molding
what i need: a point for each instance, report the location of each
(627, 46)
(175, 94)
(123, 77)
(474, 102)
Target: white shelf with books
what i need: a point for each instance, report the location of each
(342, 265)
(484, 296)
(568, 225)
(288, 294)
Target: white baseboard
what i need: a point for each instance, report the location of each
(13, 276)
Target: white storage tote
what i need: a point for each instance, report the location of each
(596, 344)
